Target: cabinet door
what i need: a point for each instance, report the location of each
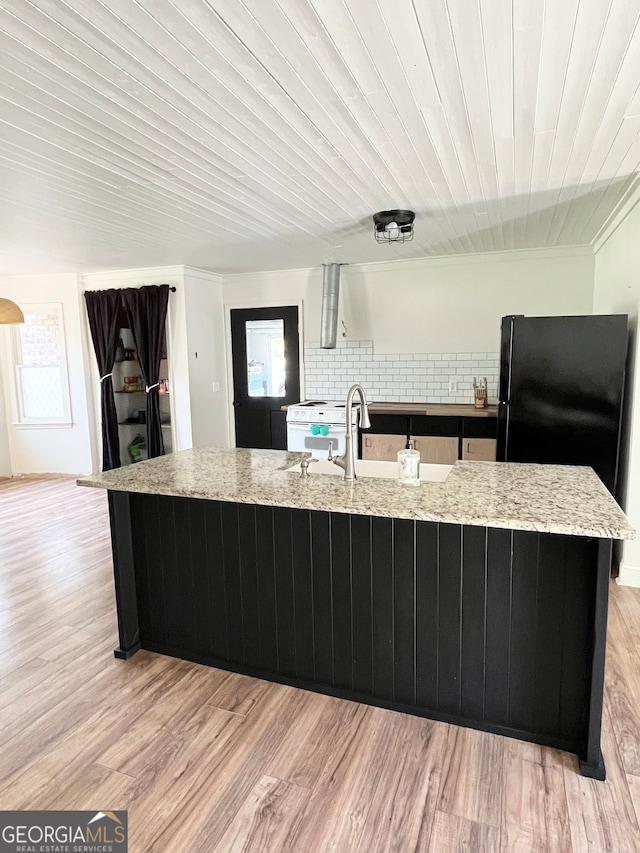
(389, 425)
(479, 427)
(382, 447)
(436, 449)
(479, 449)
(429, 425)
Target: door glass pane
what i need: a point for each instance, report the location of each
(265, 358)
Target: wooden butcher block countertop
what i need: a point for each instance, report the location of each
(467, 410)
(451, 410)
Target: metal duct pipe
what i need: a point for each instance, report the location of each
(330, 294)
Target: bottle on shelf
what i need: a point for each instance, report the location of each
(132, 383)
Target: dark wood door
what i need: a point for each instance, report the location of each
(266, 372)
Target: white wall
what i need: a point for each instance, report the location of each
(433, 304)
(617, 290)
(59, 449)
(205, 340)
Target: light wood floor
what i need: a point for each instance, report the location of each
(209, 761)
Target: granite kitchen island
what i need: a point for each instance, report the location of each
(480, 601)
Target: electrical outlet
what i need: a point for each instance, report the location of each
(453, 386)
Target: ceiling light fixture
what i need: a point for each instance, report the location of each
(394, 226)
(10, 312)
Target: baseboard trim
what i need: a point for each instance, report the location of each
(629, 575)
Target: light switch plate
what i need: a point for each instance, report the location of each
(453, 386)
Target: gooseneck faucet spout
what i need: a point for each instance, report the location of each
(347, 461)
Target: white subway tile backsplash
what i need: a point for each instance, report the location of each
(418, 377)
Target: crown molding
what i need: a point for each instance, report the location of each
(130, 277)
(509, 256)
(205, 275)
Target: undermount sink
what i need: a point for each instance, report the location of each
(429, 473)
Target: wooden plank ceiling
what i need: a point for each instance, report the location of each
(242, 135)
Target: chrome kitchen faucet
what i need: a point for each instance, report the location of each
(346, 461)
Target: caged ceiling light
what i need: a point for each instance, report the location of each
(394, 226)
(10, 312)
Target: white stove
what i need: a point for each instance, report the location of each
(312, 424)
(319, 411)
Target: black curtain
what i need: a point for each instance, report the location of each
(146, 309)
(103, 310)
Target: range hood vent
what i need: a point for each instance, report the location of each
(330, 294)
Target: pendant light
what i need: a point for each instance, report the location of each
(10, 312)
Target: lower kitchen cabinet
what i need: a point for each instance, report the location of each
(436, 449)
(436, 438)
(382, 447)
(479, 449)
(440, 439)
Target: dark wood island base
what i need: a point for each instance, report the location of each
(496, 629)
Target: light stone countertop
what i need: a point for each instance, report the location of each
(544, 498)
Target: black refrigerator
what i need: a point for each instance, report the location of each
(561, 390)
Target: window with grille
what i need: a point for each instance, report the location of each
(41, 378)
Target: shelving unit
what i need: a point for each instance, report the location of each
(129, 408)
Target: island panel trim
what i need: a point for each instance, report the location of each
(426, 635)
